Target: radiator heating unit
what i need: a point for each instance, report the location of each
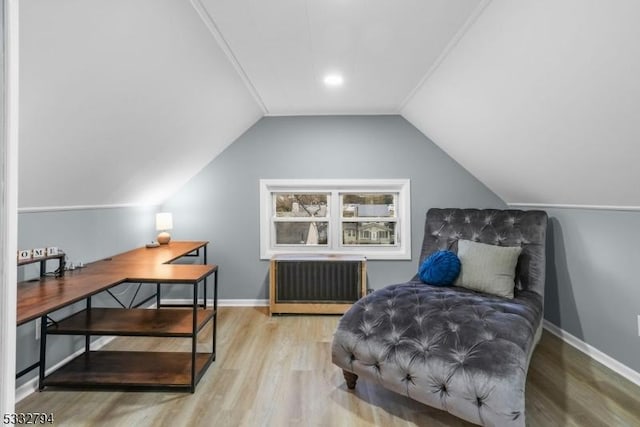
(322, 284)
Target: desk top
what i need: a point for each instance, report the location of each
(162, 254)
(147, 265)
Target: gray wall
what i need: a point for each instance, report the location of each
(221, 203)
(84, 235)
(592, 287)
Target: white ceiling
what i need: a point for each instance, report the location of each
(382, 48)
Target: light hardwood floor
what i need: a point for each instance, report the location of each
(277, 372)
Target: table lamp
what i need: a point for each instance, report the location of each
(164, 222)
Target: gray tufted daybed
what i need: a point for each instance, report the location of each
(452, 348)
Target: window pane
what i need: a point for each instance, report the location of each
(368, 233)
(300, 205)
(368, 205)
(301, 233)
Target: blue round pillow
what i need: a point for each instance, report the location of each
(441, 268)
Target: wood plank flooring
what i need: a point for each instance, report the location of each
(277, 372)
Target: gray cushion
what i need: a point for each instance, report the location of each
(487, 268)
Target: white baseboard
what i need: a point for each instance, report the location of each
(608, 361)
(31, 386)
(243, 302)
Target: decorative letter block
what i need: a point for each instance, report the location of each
(24, 254)
(38, 252)
(52, 251)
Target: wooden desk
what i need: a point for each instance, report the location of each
(39, 297)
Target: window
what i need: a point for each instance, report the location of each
(301, 219)
(367, 217)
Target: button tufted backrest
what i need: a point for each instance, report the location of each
(527, 229)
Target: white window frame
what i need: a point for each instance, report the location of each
(335, 187)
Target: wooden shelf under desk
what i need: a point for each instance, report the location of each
(165, 322)
(126, 369)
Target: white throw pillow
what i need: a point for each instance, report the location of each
(487, 268)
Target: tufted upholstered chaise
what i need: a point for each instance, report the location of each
(451, 348)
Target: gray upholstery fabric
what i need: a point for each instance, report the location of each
(527, 229)
(452, 348)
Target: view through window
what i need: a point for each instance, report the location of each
(368, 217)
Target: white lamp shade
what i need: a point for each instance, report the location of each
(164, 221)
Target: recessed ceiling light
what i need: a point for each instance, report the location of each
(333, 80)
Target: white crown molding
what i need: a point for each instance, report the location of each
(211, 25)
(83, 207)
(390, 112)
(446, 51)
(597, 355)
(568, 206)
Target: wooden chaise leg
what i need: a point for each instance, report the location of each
(350, 379)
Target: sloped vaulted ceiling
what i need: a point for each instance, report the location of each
(121, 101)
(540, 100)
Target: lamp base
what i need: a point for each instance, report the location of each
(163, 238)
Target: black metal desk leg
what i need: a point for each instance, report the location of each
(215, 310)
(204, 292)
(194, 338)
(87, 338)
(43, 351)
(157, 295)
